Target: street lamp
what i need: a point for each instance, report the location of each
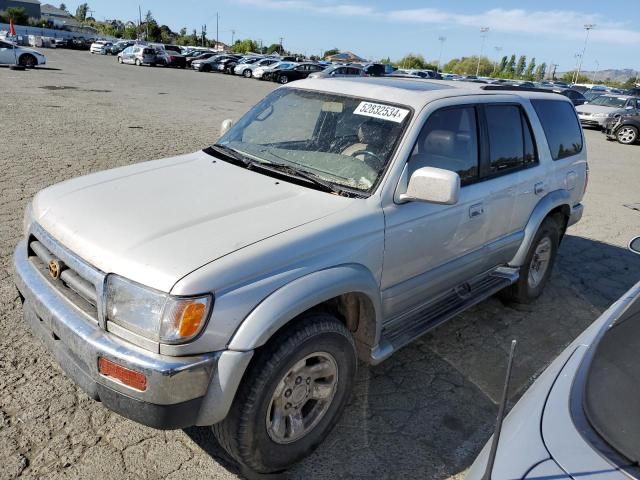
(588, 27)
(441, 40)
(595, 75)
(483, 35)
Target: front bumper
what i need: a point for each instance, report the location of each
(180, 392)
(576, 214)
(591, 121)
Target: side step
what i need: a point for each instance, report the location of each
(403, 330)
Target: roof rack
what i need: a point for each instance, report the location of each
(516, 88)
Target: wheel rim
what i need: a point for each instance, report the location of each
(283, 79)
(302, 398)
(247, 73)
(540, 262)
(627, 135)
(28, 61)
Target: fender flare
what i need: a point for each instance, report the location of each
(552, 200)
(302, 294)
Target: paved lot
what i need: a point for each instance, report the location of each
(425, 413)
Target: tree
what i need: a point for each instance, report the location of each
(520, 66)
(18, 15)
(245, 46)
(469, 65)
(330, 53)
(273, 48)
(541, 71)
(569, 77)
(630, 83)
(130, 33)
(529, 71)
(81, 12)
(502, 65)
(511, 66)
(63, 7)
(183, 32)
(412, 61)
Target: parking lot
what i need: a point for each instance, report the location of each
(424, 413)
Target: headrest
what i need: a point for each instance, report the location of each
(439, 142)
(371, 133)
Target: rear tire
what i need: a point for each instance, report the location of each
(292, 395)
(247, 73)
(283, 79)
(536, 271)
(138, 62)
(120, 60)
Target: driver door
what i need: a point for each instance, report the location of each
(431, 248)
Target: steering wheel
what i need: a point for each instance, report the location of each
(373, 160)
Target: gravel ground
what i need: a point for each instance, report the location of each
(425, 413)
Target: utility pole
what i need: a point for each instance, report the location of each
(441, 40)
(595, 75)
(139, 21)
(204, 33)
(588, 27)
(217, 31)
(483, 34)
(574, 77)
(281, 49)
(498, 50)
(233, 36)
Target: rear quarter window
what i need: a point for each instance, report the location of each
(561, 127)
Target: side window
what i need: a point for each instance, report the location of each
(560, 126)
(449, 140)
(511, 143)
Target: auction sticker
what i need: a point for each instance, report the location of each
(383, 112)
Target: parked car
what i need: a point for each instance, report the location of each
(12, 54)
(575, 96)
(333, 222)
(299, 72)
(170, 58)
(378, 69)
(339, 71)
(214, 63)
(596, 112)
(118, 47)
(101, 47)
(228, 66)
(580, 417)
(138, 55)
(590, 95)
(247, 69)
(264, 73)
(633, 92)
(197, 56)
(625, 128)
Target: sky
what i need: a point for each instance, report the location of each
(550, 31)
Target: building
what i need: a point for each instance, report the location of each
(59, 18)
(31, 7)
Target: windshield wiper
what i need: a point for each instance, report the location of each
(233, 154)
(308, 176)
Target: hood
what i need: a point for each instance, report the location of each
(156, 222)
(595, 109)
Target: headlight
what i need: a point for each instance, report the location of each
(27, 219)
(154, 314)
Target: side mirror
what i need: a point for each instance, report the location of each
(634, 245)
(433, 185)
(226, 126)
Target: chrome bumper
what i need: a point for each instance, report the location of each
(177, 387)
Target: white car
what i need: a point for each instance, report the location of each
(10, 53)
(247, 69)
(102, 47)
(262, 72)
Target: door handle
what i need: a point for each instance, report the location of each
(476, 210)
(539, 188)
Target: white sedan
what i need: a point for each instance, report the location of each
(11, 53)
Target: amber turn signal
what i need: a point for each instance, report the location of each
(124, 375)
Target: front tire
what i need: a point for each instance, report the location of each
(292, 396)
(120, 60)
(536, 271)
(247, 73)
(627, 134)
(27, 60)
(138, 62)
(283, 79)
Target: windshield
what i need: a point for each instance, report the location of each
(613, 102)
(342, 140)
(613, 385)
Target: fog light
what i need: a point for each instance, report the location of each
(124, 375)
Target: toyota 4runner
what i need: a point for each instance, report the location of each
(337, 220)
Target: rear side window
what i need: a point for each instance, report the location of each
(560, 126)
(510, 140)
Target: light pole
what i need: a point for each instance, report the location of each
(441, 40)
(483, 35)
(588, 27)
(574, 78)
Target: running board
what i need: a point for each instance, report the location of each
(403, 330)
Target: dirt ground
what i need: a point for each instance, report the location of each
(425, 413)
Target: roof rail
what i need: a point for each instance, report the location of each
(516, 88)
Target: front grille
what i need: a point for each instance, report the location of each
(69, 275)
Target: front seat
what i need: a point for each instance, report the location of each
(370, 137)
(438, 149)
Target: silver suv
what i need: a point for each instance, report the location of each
(338, 220)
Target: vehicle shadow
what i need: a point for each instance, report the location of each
(427, 411)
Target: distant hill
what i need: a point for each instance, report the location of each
(614, 75)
